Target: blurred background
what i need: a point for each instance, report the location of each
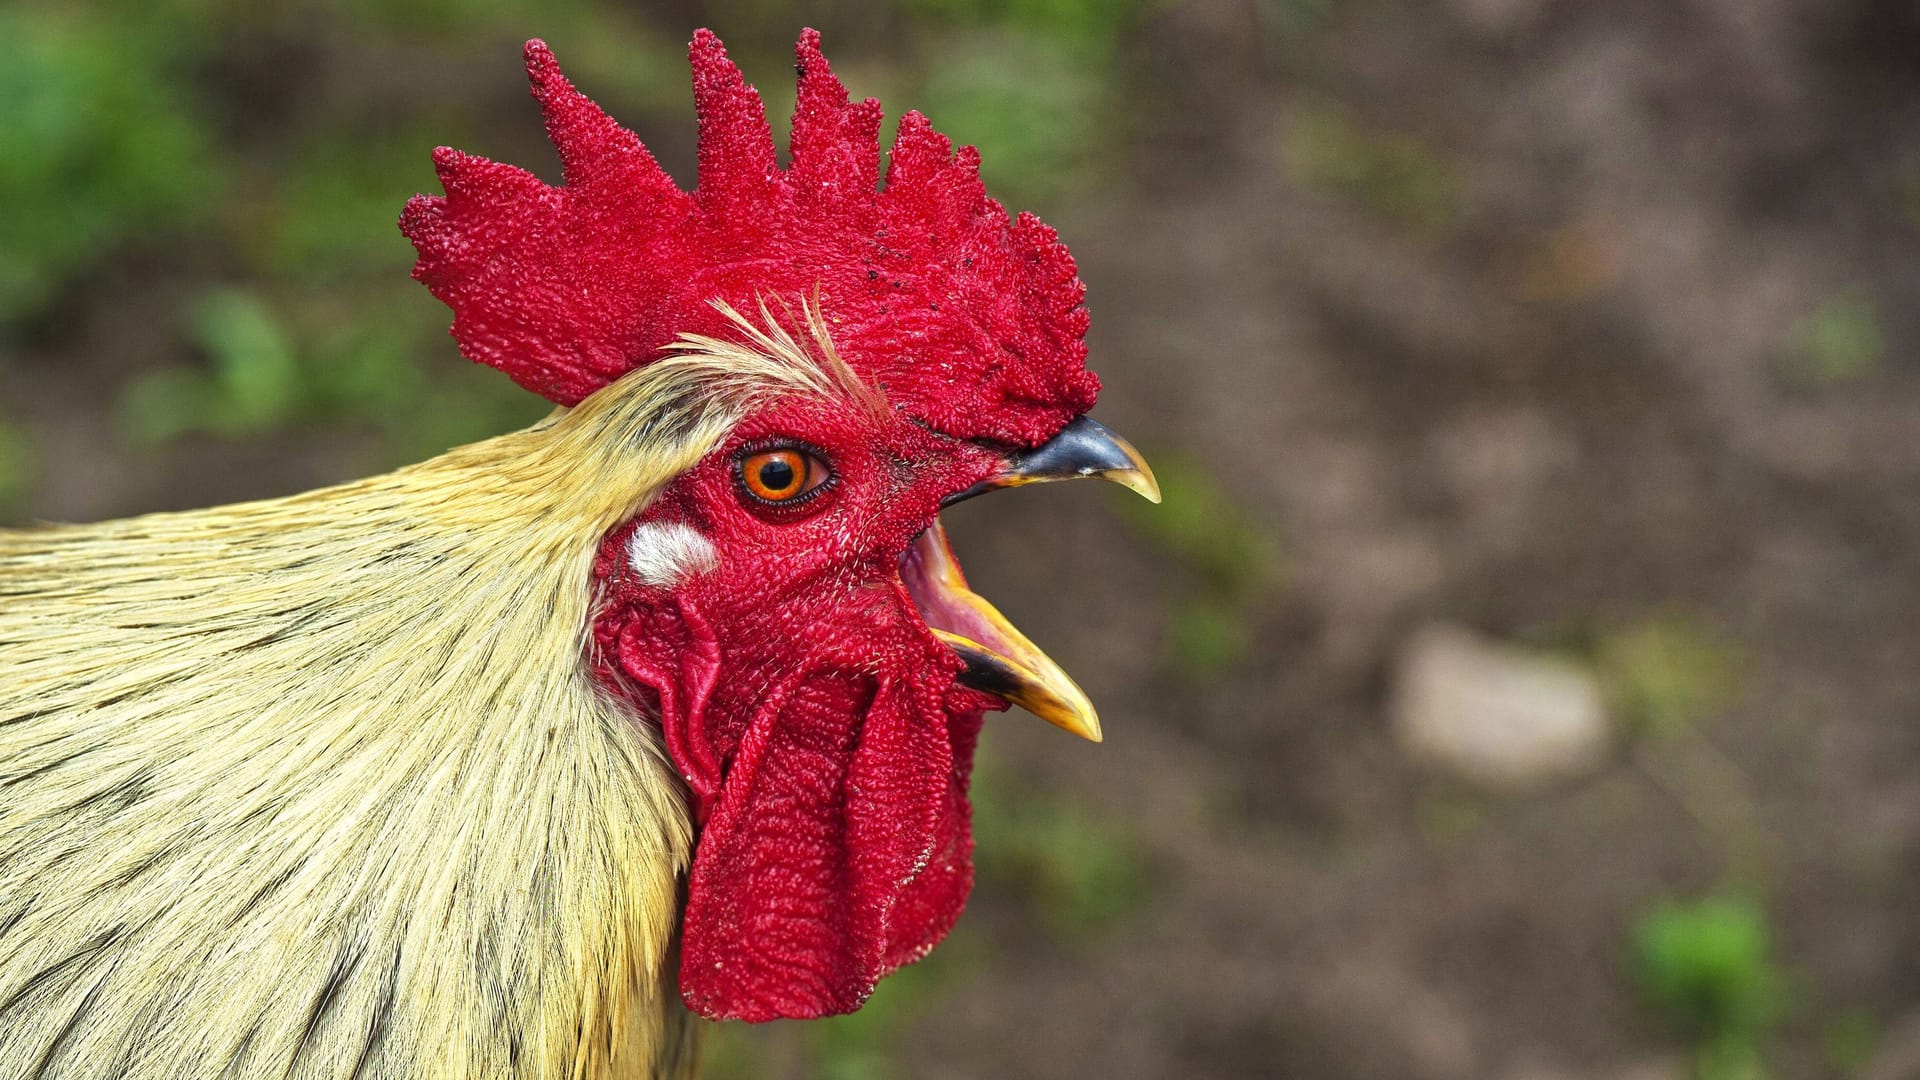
(1522, 678)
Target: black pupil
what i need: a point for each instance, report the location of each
(776, 475)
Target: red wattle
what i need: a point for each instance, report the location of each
(835, 842)
(816, 874)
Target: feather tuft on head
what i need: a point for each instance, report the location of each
(970, 321)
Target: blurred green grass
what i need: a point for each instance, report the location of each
(1706, 968)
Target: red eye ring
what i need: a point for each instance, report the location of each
(780, 476)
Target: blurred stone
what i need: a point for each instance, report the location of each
(1493, 714)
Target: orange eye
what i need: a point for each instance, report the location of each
(783, 475)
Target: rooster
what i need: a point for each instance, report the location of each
(513, 762)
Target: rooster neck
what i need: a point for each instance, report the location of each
(321, 786)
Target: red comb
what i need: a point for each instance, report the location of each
(970, 321)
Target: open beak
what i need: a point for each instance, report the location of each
(999, 658)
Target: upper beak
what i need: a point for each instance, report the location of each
(1000, 659)
(1084, 448)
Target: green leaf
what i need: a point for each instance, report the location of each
(1707, 968)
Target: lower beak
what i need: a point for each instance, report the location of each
(999, 658)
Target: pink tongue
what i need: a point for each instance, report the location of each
(838, 849)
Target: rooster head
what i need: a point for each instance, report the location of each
(788, 609)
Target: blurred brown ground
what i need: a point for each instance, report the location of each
(1568, 322)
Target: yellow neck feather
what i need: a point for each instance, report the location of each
(320, 786)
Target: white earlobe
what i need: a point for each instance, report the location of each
(665, 553)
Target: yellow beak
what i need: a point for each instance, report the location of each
(1000, 659)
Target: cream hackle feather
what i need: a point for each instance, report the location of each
(321, 786)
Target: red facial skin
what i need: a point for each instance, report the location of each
(816, 720)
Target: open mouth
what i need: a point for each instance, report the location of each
(1000, 660)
